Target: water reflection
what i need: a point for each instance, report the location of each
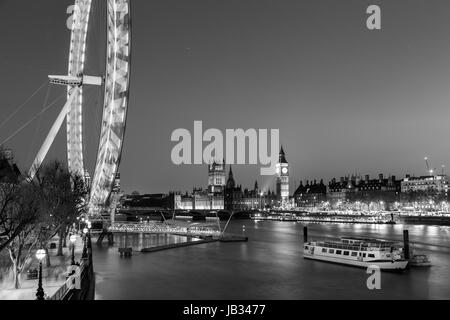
(269, 266)
(141, 241)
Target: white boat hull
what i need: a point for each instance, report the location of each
(383, 265)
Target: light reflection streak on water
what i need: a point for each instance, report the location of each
(270, 266)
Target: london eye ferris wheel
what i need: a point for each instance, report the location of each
(116, 83)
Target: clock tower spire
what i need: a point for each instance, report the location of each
(283, 179)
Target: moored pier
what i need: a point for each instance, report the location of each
(178, 245)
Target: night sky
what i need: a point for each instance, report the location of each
(346, 99)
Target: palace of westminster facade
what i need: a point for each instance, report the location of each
(224, 194)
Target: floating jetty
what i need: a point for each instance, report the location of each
(178, 245)
(224, 238)
(233, 238)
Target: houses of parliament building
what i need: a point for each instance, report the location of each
(223, 193)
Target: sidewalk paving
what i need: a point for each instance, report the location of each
(53, 277)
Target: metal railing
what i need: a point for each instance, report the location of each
(62, 291)
(151, 228)
(362, 247)
(67, 287)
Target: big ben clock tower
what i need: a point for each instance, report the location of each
(283, 179)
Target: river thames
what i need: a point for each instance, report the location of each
(269, 266)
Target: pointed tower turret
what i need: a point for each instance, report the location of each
(230, 182)
(282, 158)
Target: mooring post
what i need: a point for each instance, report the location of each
(305, 234)
(406, 243)
(111, 238)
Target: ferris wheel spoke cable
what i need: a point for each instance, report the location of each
(38, 127)
(21, 106)
(33, 119)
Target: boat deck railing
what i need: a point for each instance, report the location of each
(362, 247)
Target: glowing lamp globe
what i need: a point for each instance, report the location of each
(85, 230)
(73, 238)
(40, 254)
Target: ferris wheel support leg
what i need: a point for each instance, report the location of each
(52, 135)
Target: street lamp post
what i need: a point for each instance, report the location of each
(85, 231)
(40, 295)
(89, 235)
(73, 239)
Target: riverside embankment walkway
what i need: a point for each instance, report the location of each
(53, 277)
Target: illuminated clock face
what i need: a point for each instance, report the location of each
(285, 170)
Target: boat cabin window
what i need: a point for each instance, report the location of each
(306, 247)
(354, 254)
(364, 255)
(346, 253)
(371, 255)
(331, 251)
(324, 250)
(338, 251)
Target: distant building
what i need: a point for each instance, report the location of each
(311, 194)
(253, 199)
(204, 200)
(237, 199)
(233, 194)
(183, 201)
(347, 187)
(439, 183)
(225, 194)
(282, 170)
(210, 199)
(216, 178)
(147, 202)
(199, 199)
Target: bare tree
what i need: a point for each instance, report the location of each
(21, 241)
(13, 218)
(62, 201)
(34, 211)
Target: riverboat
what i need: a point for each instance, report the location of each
(358, 252)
